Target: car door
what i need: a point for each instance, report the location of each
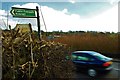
(93, 62)
(81, 60)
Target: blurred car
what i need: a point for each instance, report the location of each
(91, 61)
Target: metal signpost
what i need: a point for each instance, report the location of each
(27, 13)
(23, 12)
(38, 22)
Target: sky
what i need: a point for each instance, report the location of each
(71, 15)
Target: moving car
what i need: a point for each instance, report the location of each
(91, 61)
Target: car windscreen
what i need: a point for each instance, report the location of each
(100, 56)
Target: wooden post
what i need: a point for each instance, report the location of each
(31, 42)
(29, 70)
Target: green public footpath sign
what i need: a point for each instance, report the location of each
(23, 12)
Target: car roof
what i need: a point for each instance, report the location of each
(88, 52)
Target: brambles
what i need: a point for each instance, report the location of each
(25, 57)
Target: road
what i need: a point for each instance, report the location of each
(114, 74)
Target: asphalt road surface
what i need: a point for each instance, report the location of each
(114, 74)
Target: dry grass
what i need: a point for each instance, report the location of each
(104, 43)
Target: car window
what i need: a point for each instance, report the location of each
(84, 57)
(74, 57)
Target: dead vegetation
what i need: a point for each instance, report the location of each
(24, 56)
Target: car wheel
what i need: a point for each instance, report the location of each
(92, 72)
